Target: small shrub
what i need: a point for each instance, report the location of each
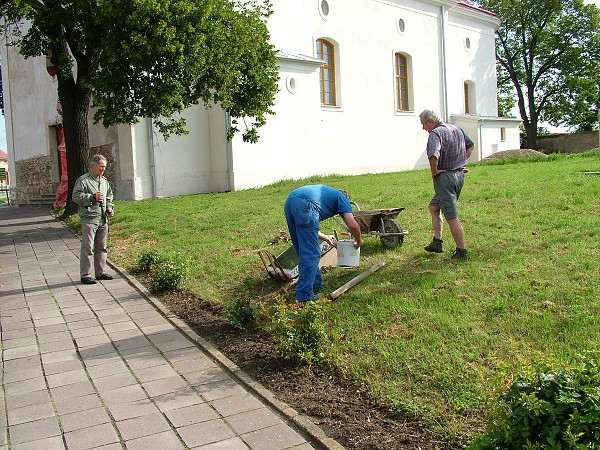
(548, 410)
(169, 274)
(148, 261)
(301, 333)
(242, 314)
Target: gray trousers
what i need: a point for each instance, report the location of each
(93, 249)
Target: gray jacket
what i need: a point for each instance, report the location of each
(84, 194)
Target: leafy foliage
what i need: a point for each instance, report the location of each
(242, 313)
(149, 260)
(148, 58)
(301, 333)
(548, 53)
(548, 409)
(168, 274)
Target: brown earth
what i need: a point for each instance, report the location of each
(341, 408)
(512, 154)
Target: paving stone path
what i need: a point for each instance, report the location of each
(103, 366)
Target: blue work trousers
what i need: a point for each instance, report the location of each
(302, 218)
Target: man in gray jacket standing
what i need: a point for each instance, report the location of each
(94, 196)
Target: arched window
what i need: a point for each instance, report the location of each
(402, 82)
(325, 52)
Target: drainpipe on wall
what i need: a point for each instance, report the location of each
(444, 17)
(479, 138)
(152, 157)
(12, 163)
(227, 155)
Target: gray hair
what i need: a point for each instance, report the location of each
(428, 115)
(95, 159)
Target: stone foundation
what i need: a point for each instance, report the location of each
(34, 175)
(33, 179)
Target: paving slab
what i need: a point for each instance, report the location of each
(108, 366)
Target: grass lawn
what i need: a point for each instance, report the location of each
(424, 334)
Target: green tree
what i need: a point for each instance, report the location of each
(148, 58)
(548, 53)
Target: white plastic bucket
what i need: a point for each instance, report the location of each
(348, 256)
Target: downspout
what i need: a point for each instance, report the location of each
(479, 139)
(11, 183)
(152, 157)
(227, 154)
(444, 15)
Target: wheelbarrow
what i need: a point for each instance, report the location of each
(379, 222)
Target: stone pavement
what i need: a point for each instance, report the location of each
(106, 366)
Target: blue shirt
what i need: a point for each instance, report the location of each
(329, 201)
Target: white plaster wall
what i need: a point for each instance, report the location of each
(486, 134)
(364, 132)
(135, 180)
(221, 176)
(288, 145)
(30, 107)
(476, 63)
(512, 141)
(183, 164)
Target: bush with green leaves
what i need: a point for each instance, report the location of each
(242, 313)
(301, 333)
(548, 409)
(148, 260)
(169, 273)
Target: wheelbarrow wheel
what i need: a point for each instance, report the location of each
(391, 226)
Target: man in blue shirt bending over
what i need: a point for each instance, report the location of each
(304, 209)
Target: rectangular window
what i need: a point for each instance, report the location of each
(503, 134)
(402, 82)
(325, 52)
(467, 101)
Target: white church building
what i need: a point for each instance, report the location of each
(354, 76)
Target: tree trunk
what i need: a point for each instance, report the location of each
(75, 102)
(531, 130)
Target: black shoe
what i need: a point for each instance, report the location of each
(460, 253)
(88, 280)
(104, 276)
(435, 246)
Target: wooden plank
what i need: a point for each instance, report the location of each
(357, 279)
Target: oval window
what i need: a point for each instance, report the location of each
(290, 84)
(324, 8)
(401, 25)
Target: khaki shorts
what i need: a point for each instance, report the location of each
(447, 187)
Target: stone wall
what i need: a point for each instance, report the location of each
(34, 175)
(568, 142)
(33, 179)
